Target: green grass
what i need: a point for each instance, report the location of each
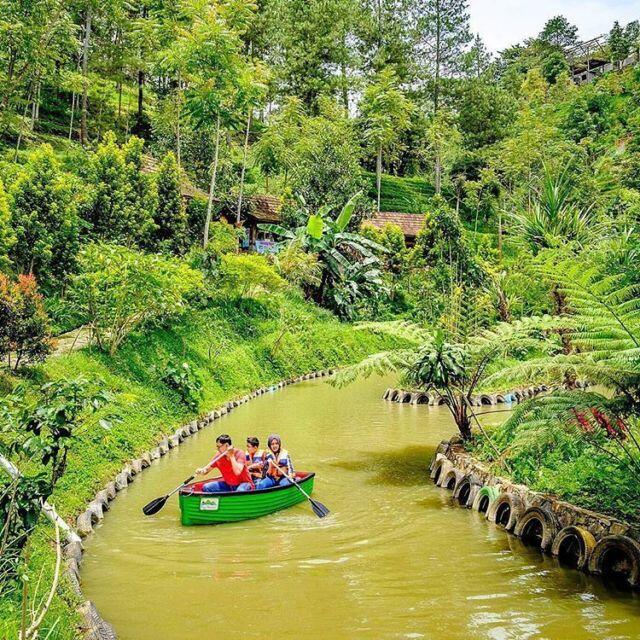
(229, 345)
(403, 195)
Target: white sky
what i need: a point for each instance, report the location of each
(502, 23)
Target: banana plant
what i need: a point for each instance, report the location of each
(336, 248)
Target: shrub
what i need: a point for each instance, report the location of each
(247, 274)
(119, 290)
(24, 325)
(7, 238)
(122, 198)
(170, 216)
(184, 382)
(44, 217)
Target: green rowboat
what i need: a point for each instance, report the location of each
(198, 507)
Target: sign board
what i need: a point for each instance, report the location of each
(208, 504)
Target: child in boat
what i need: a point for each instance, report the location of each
(232, 465)
(278, 464)
(255, 459)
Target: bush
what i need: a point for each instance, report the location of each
(248, 274)
(45, 221)
(7, 238)
(170, 216)
(24, 325)
(184, 382)
(119, 290)
(116, 211)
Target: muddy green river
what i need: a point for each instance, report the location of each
(396, 559)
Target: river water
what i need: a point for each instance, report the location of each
(396, 559)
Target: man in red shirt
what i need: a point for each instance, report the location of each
(232, 465)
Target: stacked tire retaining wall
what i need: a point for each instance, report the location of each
(94, 627)
(402, 396)
(589, 541)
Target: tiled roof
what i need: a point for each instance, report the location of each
(410, 223)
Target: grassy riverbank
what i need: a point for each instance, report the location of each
(233, 347)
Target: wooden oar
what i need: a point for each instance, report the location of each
(155, 505)
(318, 508)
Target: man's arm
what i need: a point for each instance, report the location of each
(237, 465)
(204, 470)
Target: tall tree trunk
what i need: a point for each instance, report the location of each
(21, 132)
(344, 87)
(85, 79)
(379, 174)
(436, 91)
(73, 110)
(212, 185)
(438, 60)
(140, 111)
(178, 132)
(343, 76)
(244, 166)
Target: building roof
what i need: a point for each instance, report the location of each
(410, 223)
(187, 190)
(264, 208)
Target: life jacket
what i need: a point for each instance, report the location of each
(284, 460)
(258, 456)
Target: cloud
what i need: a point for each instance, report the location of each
(502, 23)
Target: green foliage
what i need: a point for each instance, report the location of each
(485, 112)
(44, 220)
(346, 259)
(24, 325)
(37, 429)
(454, 369)
(115, 209)
(247, 275)
(618, 42)
(7, 236)
(385, 111)
(559, 33)
(553, 66)
(326, 159)
(118, 290)
(404, 195)
(184, 382)
(297, 266)
(170, 216)
(553, 220)
(442, 247)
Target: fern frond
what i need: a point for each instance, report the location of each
(378, 363)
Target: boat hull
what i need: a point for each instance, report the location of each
(198, 507)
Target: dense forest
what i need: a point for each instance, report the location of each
(135, 140)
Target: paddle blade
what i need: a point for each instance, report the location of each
(154, 506)
(319, 509)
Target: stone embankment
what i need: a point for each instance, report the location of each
(95, 628)
(579, 538)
